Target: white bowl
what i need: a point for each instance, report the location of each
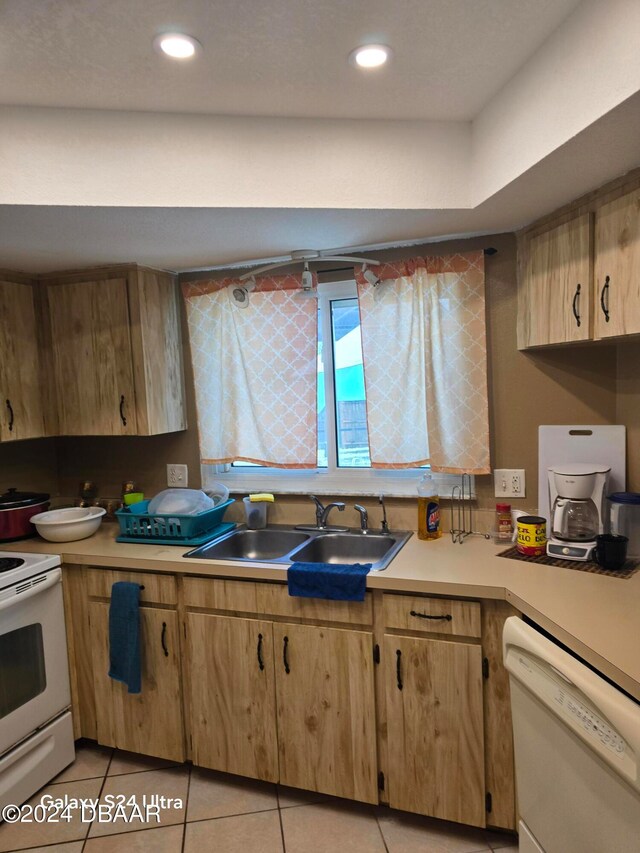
(69, 524)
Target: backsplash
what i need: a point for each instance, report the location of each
(29, 465)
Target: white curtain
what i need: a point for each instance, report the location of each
(425, 364)
(255, 372)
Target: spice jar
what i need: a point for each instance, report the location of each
(504, 525)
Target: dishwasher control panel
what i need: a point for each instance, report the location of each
(593, 724)
(570, 704)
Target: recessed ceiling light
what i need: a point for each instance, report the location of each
(370, 55)
(177, 45)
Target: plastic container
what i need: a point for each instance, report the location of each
(256, 513)
(137, 523)
(69, 524)
(624, 509)
(180, 502)
(428, 509)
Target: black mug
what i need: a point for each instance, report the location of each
(611, 551)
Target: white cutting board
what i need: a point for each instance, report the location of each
(579, 443)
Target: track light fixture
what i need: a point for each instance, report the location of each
(370, 276)
(240, 295)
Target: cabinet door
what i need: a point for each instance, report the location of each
(325, 706)
(92, 357)
(554, 295)
(435, 728)
(233, 716)
(21, 410)
(617, 267)
(150, 722)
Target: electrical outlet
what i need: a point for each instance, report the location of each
(509, 482)
(177, 476)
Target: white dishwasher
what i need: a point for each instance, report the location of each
(577, 750)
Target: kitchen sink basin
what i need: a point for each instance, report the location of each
(258, 545)
(346, 548)
(284, 545)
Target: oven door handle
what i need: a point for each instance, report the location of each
(52, 579)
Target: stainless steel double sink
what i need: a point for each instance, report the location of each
(284, 545)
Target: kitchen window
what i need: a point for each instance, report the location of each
(343, 450)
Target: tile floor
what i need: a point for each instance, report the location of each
(228, 814)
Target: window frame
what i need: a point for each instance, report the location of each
(331, 480)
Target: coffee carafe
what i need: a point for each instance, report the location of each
(576, 497)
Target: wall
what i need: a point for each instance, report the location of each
(574, 385)
(628, 407)
(29, 465)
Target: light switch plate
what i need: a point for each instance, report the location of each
(177, 476)
(509, 482)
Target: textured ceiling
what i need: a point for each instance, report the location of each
(272, 58)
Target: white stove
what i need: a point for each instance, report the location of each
(16, 567)
(36, 732)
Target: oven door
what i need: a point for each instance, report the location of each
(34, 672)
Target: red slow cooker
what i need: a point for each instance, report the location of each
(16, 508)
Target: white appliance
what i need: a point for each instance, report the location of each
(577, 750)
(36, 733)
(575, 443)
(576, 497)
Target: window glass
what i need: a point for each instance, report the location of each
(350, 399)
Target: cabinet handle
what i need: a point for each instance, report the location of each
(122, 417)
(163, 640)
(11, 418)
(447, 616)
(605, 293)
(259, 652)
(399, 668)
(285, 659)
(574, 306)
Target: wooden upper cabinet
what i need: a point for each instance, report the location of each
(92, 357)
(617, 267)
(116, 354)
(555, 286)
(21, 406)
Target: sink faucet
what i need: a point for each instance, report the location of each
(384, 527)
(322, 515)
(364, 518)
(325, 512)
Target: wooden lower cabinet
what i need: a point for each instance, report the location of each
(232, 695)
(273, 693)
(150, 722)
(326, 710)
(283, 702)
(435, 728)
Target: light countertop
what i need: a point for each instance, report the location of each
(597, 616)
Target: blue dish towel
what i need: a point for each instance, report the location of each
(124, 635)
(333, 581)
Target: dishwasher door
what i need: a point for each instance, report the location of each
(577, 745)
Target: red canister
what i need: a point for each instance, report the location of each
(532, 535)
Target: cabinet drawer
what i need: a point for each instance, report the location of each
(272, 599)
(432, 615)
(158, 589)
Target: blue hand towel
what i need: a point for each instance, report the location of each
(124, 635)
(333, 581)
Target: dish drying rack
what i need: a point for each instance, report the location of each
(461, 521)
